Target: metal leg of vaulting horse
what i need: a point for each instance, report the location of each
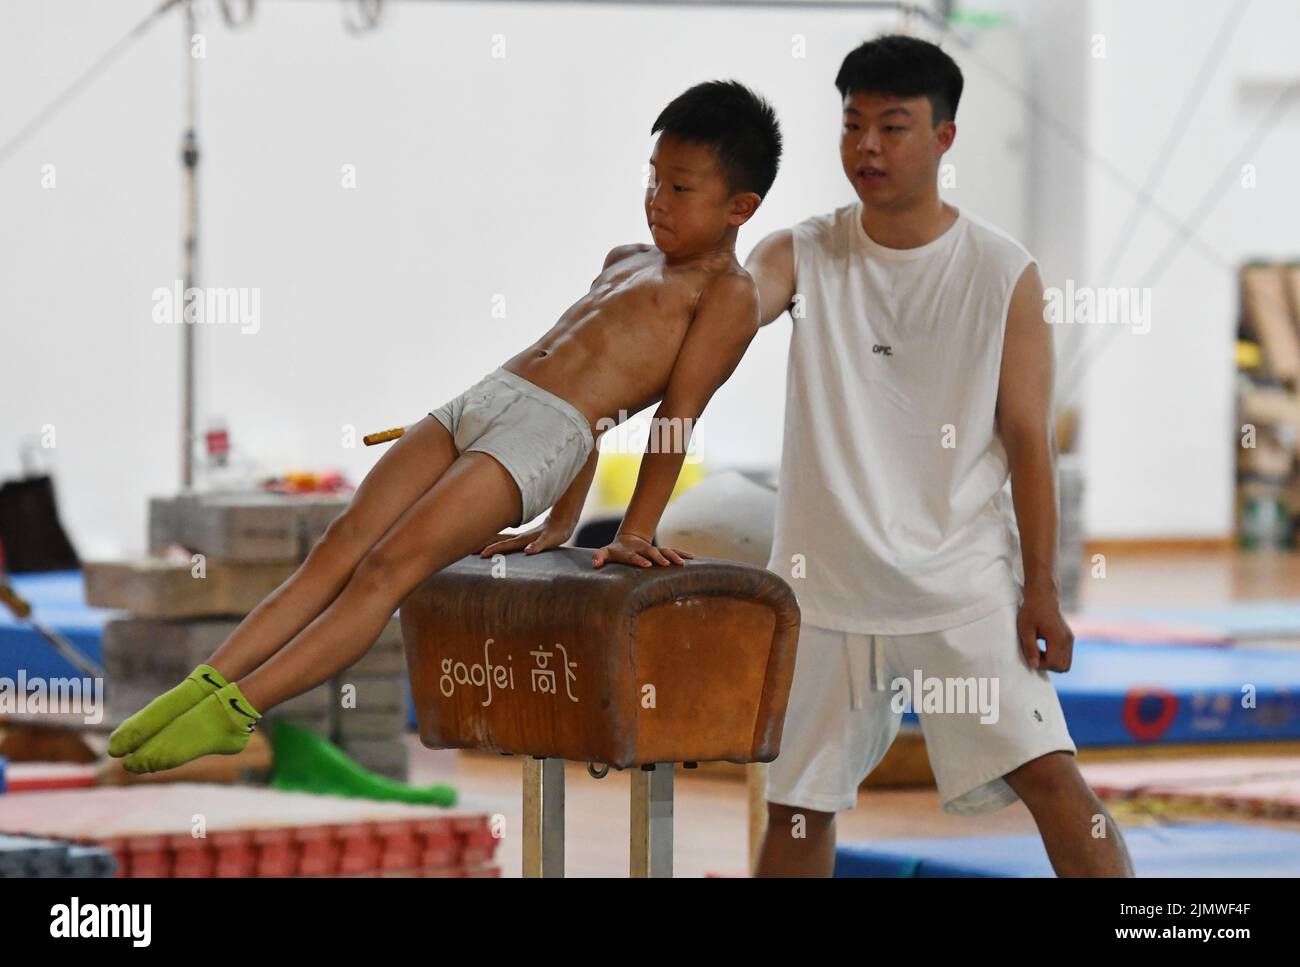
(652, 821)
(543, 817)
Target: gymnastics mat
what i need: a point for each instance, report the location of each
(58, 600)
(1142, 694)
(1244, 619)
(1087, 627)
(1257, 785)
(247, 831)
(1196, 850)
(1129, 694)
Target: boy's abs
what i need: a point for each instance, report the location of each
(612, 350)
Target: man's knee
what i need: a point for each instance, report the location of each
(1052, 776)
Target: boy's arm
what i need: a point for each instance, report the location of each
(725, 323)
(1024, 422)
(772, 266)
(568, 508)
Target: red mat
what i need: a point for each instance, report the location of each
(192, 829)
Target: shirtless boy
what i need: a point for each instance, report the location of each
(665, 323)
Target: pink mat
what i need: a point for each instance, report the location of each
(1259, 785)
(1144, 632)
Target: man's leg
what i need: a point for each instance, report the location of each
(1081, 837)
(797, 842)
(837, 729)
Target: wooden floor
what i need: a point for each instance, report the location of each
(710, 812)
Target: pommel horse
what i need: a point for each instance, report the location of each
(631, 668)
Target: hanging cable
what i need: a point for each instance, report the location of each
(80, 83)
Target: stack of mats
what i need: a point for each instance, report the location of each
(197, 830)
(30, 856)
(1200, 850)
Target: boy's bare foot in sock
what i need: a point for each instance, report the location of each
(158, 714)
(220, 724)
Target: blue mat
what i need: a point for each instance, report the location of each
(1199, 850)
(1248, 619)
(58, 600)
(1119, 694)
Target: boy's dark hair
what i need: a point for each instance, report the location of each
(739, 125)
(902, 66)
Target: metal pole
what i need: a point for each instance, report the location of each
(190, 209)
(543, 817)
(651, 853)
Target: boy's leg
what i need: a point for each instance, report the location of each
(473, 500)
(1081, 837)
(408, 469)
(412, 465)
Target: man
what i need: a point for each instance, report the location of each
(920, 378)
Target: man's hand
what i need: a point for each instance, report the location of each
(552, 533)
(637, 551)
(1040, 617)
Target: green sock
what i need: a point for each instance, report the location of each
(151, 719)
(219, 725)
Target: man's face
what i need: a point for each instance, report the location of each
(687, 204)
(890, 148)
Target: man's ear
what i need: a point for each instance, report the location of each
(743, 206)
(945, 133)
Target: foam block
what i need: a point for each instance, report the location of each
(161, 588)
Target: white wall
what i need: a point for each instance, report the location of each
(476, 177)
(1159, 418)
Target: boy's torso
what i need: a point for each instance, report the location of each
(613, 350)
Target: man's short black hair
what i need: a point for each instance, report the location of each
(901, 66)
(739, 125)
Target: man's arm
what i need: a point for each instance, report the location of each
(772, 266)
(1024, 422)
(725, 323)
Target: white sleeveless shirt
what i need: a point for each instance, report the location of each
(894, 512)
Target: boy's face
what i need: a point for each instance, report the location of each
(891, 148)
(688, 206)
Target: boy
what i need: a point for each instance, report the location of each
(664, 323)
(920, 378)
